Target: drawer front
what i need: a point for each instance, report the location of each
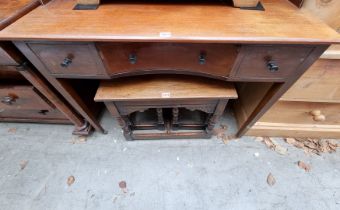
(320, 83)
(137, 58)
(39, 116)
(21, 97)
(70, 60)
(207, 106)
(270, 62)
(303, 113)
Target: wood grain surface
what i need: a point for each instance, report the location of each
(164, 87)
(321, 83)
(11, 10)
(281, 22)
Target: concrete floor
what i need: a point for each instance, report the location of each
(160, 175)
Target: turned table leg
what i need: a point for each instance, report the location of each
(123, 120)
(216, 115)
(175, 112)
(160, 118)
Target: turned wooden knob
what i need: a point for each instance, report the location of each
(318, 116)
(8, 100)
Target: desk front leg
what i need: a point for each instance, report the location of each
(274, 93)
(65, 89)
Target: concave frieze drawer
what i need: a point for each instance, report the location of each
(138, 58)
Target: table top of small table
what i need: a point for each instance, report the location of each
(164, 87)
(280, 23)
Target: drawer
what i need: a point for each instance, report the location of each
(21, 97)
(320, 83)
(70, 60)
(38, 116)
(125, 108)
(270, 62)
(138, 58)
(303, 113)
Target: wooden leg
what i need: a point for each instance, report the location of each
(123, 121)
(81, 126)
(64, 88)
(216, 115)
(175, 112)
(160, 118)
(277, 90)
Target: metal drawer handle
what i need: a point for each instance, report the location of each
(202, 58)
(272, 66)
(133, 58)
(8, 100)
(66, 62)
(318, 116)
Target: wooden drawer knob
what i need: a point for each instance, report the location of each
(318, 116)
(202, 58)
(8, 100)
(66, 62)
(133, 58)
(272, 66)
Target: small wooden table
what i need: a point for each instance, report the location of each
(162, 106)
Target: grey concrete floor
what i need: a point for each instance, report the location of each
(160, 175)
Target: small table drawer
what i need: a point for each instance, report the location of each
(70, 60)
(275, 63)
(126, 108)
(138, 58)
(21, 97)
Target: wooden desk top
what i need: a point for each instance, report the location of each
(11, 10)
(150, 87)
(281, 22)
